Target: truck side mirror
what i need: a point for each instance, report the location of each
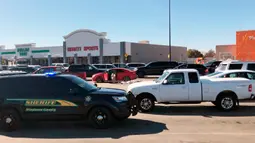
(165, 82)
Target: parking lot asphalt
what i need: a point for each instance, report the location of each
(200, 123)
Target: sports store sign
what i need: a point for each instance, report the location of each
(86, 48)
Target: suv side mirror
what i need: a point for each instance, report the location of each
(165, 82)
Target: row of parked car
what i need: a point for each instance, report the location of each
(130, 71)
(108, 72)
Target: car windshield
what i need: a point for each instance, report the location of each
(82, 83)
(182, 66)
(135, 65)
(162, 77)
(66, 65)
(111, 66)
(213, 74)
(208, 63)
(148, 64)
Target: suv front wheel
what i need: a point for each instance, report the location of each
(101, 117)
(10, 120)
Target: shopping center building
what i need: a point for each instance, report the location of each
(88, 46)
(243, 50)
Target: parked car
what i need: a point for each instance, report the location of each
(212, 65)
(61, 97)
(4, 67)
(232, 74)
(155, 68)
(59, 69)
(120, 65)
(121, 74)
(135, 65)
(65, 65)
(104, 66)
(89, 69)
(202, 70)
(185, 86)
(26, 68)
(9, 73)
(235, 65)
(36, 67)
(48, 69)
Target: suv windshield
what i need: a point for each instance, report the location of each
(222, 67)
(82, 83)
(162, 77)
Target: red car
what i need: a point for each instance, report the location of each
(119, 74)
(46, 69)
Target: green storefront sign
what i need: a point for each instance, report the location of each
(23, 51)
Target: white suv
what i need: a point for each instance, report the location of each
(235, 65)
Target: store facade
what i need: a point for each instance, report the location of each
(85, 46)
(243, 50)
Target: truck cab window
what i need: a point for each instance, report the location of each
(175, 78)
(193, 77)
(251, 76)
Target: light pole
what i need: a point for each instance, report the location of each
(170, 48)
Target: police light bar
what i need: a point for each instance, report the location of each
(50, 74)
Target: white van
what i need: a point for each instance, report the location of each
(235, 65)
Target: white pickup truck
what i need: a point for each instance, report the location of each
(185, 86)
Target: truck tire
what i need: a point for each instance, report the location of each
(140, 74)
(226, 102)
(146, 104)
(10, 120)
(100, 118)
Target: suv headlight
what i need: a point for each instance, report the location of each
(120, 98)
(135, 69)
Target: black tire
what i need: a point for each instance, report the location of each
(226, 102)
(99, 80)
(100, 118)
(10, 120)
(126, 78)
(140, 74)
(146, 104)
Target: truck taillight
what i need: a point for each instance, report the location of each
(250, 88)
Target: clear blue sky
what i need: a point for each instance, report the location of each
(199, 24)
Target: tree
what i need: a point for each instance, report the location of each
(210, 53)
(193, 53)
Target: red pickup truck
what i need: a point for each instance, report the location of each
(46, 69)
